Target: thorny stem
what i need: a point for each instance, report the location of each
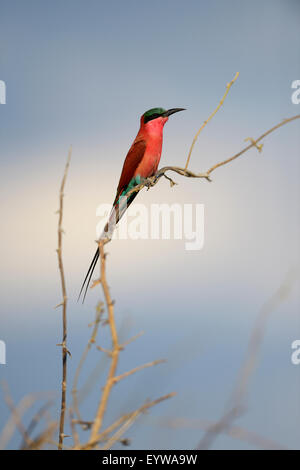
(64, 307)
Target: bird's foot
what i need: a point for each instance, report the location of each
(148, 182)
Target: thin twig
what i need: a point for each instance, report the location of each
(253, 143)
(228, 86)
(137, 369)
(130, 340)
(64, 306)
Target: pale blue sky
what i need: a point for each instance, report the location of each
(82, 73)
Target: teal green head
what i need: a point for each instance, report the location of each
(159, 113)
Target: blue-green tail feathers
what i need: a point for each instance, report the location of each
(120, 206)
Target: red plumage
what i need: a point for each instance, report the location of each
(144, 155)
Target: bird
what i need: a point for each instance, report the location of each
(141, 162)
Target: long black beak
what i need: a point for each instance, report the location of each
(172, 111)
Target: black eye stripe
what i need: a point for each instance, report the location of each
(149, 118)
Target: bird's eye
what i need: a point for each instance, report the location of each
(150, 118)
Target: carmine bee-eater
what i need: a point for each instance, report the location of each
(140, 163)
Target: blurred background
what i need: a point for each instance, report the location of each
(82, 73)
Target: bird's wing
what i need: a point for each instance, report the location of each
(132, 161)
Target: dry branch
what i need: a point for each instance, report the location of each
(64, 306)
(115, 347)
